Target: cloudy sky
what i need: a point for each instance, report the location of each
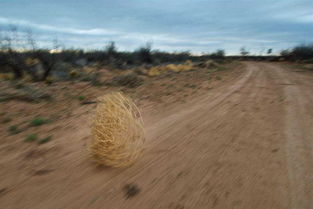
(171, 25)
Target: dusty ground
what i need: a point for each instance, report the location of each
(242, 140)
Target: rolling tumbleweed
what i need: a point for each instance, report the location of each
(117, 131)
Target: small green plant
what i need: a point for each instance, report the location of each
(38, 121)
(31, 138)
(81, 98)
(44, 140)
(14, 129)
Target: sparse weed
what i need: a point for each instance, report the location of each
(81, 98)
(44, 140)
(190, 85)
(14, 129)
(38, 121)
(31, 138)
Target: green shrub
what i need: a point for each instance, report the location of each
(31, 138)
(44, 140)
(300, 52)
(144, 54)
(38, 121)
(81, 98)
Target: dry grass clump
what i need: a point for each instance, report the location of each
(155, 71)
(6, 76)
(158, 70)
(130, 80)
(117, 131)
(208, 64)
(31, 62)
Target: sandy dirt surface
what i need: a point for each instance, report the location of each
(244, 144)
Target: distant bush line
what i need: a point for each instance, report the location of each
(21, 56)
(299, 53)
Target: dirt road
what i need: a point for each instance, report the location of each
(246, 144)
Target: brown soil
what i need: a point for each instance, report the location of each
(241, 140)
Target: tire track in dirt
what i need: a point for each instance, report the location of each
(298, 132)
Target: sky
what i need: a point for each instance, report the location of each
(198, 26)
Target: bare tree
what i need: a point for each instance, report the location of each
(19, 47)
(269, 51)
(9, 43)
(49, 59)
(144, 53)
(243, 51)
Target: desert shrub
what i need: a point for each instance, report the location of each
(6, 76)
(14, 129)
(140, 70)
(162, 69)
(111, 50)
(130, 80)
(61, 70)
(302, 52)
(219, 54)
(81, 98)
(44, 140)
(38, 121)
(73, 73)
(144, 54)
(207, 64)
(31, 137)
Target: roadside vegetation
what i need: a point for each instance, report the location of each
(21, 58)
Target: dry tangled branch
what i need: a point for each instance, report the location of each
(118, 134)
